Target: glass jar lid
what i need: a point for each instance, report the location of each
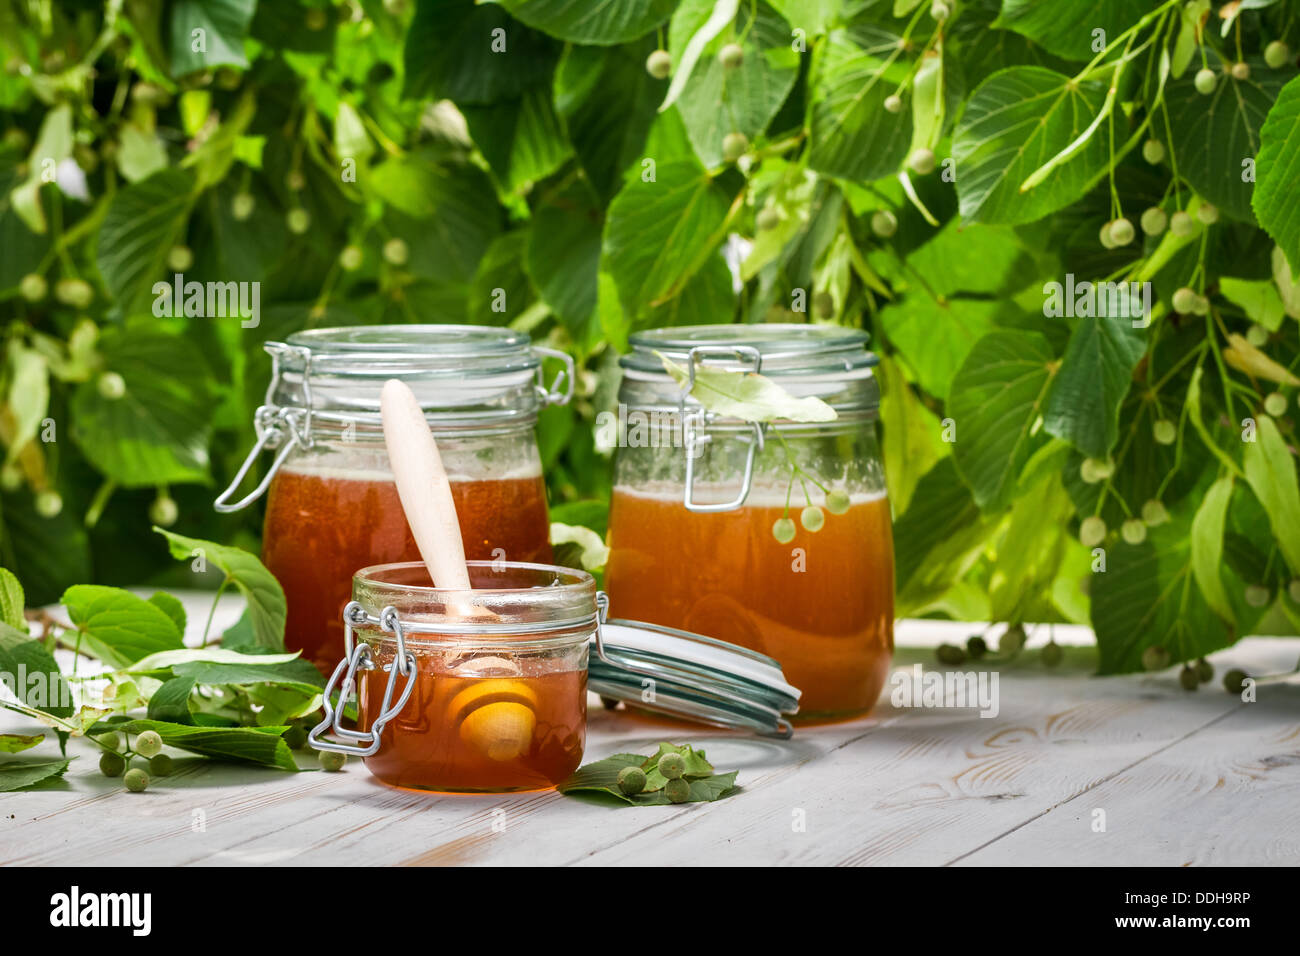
(462, 375)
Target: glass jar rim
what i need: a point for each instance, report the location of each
(787, 349)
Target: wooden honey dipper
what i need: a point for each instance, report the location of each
(500, 721)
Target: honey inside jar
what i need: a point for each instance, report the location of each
(828, 619)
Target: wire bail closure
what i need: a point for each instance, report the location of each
(551, 395)
(360, 656)
(695, 425)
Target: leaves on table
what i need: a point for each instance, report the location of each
(23, 772)
(259, 745)
(16, 743)
(602, 777)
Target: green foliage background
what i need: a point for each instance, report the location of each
(539, 177)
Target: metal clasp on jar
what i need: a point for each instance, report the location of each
(360, 656)
(695, 427)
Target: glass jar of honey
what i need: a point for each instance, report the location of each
(481, 690)
(332, 506)
(772, 536)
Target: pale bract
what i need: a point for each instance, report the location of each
(747, 395)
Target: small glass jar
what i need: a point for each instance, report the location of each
(466, 691)
(332, 506)
(693, 530)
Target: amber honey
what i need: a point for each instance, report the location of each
(321, 527)
(822, 605)
(479, 733)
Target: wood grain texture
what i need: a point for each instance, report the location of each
(1183, 778)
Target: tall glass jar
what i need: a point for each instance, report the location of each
(776, 537)
(332, 506)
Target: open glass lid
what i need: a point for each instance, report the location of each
(689, 676)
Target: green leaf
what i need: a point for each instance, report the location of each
(158, 431)
(1093, 380)
(166, 661)
(34, 677)
(1148, 597)
(1016, 121)
(852, 134)
(1212, 135)
(350, 137)
(910, 434)
(1258, 298)
(934, 338)
(296, 673)
(118, 627)
(209, 33)
(593, 22)
(658, 233)
(53, 145)
(29, 397)
(1271, 472)
(171, 606)
(143, 222)
(1067, 29)
(49, 554)
(591, 552)
(935, 535)
(749, 396)
(708, 297)
(602, 777)
(997, 396)
(688, 50)
(259, 745)
(265, 597)
(16, 743)
(11, 601)
(1207, 547)
(563, 258)
(522, 140)
(20, 773)
(607, 102)
(716, 101)
(171, 701)
(1029, 553)
(140, 153)
(1277, 170)
(1193, 409)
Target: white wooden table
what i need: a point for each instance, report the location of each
(1179, 778)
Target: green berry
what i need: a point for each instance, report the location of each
(1154, 513)
(331, 761)
(1121, 232)
(1093, 470)
(631, 780)
(1187, 677)
(1234, 682)
(1182, 225)
(812, 518)
(1207, 213)
(179, 258)
(111, 386)
(160, 765)
(824, 305)
(1154, 221)
(1204, 671)
(295, 181)
(734, 146)
(1240, 70)
(884, 223)
(1134, 531)
(1104, 237)
(33, 287)
(1164, 431)
(783, 530)
(1092, 531)
(659, 64)
(49, 503)
(1275, 404)
(112, 740)
(893, 103)
(731, 56)
(677, 791)
(164, 512)
(1257, 595)
(298, 221)
(148, 743)
(1205, 81)
(767, 219)
(242, 206)
(315, 19)
(111, 765)
(1155, 658)
(295, 737)
(838, 502)
(1185, 300)
(950, 655)
(672, 765)
(1257, 335)
(136, 780)
(1153, 151)
(1202, 306)
(1276, 54)
(350, 258)
(976, 646)
(1052, 654)
(1012, 640)
(921, 161)
(76, 293)
(396, 252)
(940, 10)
